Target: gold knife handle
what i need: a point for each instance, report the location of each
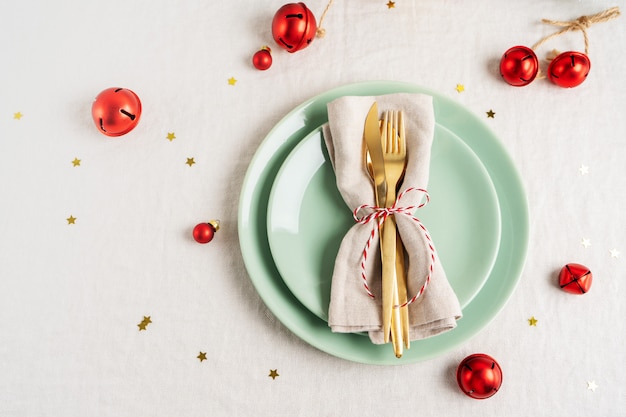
(402, 291)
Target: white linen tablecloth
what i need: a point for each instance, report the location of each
(72, 295)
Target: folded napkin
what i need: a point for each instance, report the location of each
(351, 308)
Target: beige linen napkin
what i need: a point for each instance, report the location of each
(351, 308)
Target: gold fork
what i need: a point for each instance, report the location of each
(400, 267)
(394, 155)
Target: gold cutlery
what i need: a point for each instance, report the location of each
(394, 157)
(385, 140)
(374, 148)
(400, 266)
(402, 291)
(371, 135)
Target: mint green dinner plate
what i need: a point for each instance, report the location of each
(307, 219)
(253, 237)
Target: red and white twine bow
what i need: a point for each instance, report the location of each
(379, 215)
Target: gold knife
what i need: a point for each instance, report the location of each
(372, 138)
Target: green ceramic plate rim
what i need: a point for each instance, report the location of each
(282, 258)
(263, 273)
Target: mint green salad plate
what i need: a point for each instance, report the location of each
(261, 267)
(307, 219)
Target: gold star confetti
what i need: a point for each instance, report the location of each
(584, 170)
(391, 4)
(491, 114)
(171, 136)
(71, 220)
(190, 161)
(273, 373)
(144, 323)
(532, 321)
(202, 356)
(232, 81)
(76, 162)
(460, 88)
(585, 242)
(17, 116)
(614, 253)
(591, 386)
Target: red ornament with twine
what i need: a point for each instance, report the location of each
(116, 111)
(204, 232)
(294, 27)
(479, 376)
(568, 69)
(575, 278)
(519, 66)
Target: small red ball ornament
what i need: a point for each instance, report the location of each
(479, 376)
(569, 69)
(116, 111)
(519, 66)
(575, 278)
(204, 232)
(294, 27)
(262, 59)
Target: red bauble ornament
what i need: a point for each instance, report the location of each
(575, 278)
(294, 27)
(262, 59)
(116, 111)
(479, 376)
(519, 66)
(569, 69)
(204, 232)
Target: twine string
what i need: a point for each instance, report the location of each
(582, 24)
(378, 215)
(321, 32)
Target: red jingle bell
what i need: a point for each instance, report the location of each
(519, 66)
(204, 232)
(569, 69)
(262, 59)
(479, 376)
(294, 27)
(575, 278)
(116, 111)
